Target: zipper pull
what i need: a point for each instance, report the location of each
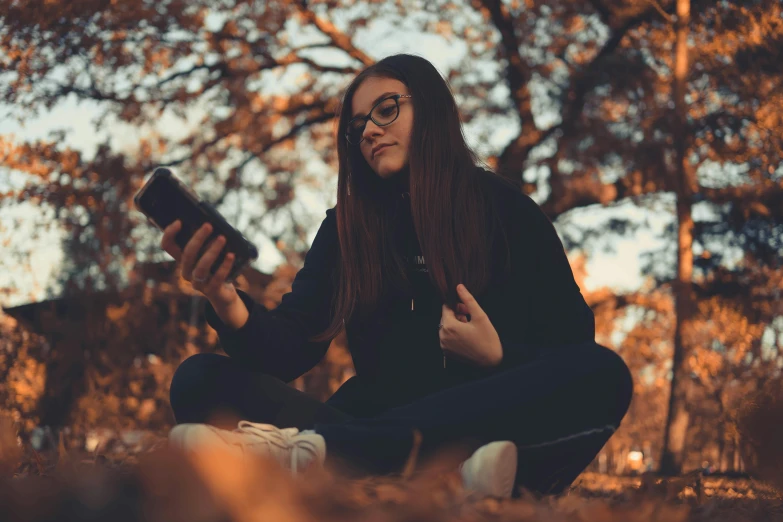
(411, 303)
(444, 360)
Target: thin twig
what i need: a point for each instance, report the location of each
(413, 456)
(38, 462)
(660, 10)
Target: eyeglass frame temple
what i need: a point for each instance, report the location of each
(369, 115)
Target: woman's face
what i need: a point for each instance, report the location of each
(395, 137)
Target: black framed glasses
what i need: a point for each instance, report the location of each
(382, 113)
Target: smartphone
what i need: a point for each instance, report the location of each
(165, 199)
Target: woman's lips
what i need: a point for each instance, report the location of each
(381, 150)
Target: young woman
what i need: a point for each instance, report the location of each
(461, 311)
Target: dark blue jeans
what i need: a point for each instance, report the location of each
(559, 409)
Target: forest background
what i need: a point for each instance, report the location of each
(648, 131)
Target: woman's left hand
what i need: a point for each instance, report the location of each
(475, 340)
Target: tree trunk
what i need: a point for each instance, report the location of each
(683, 184)
(721, 449)
(620, 463)
(737, 454)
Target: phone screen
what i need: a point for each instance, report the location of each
(164, 202)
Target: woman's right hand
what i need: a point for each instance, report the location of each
(196, 271)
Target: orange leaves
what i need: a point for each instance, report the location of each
(26, 381)
(444, 28)
(115, 313)
(69, 160)
(130, 112)
(759, 208)
(251, 488)
(280, 103)
(706, 363)
(212, 484)
(158, 61)
(257, 101)
(231, 28)
(37, 159)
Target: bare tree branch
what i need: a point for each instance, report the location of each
(295, 130)
(338, 38)
(324, 45)
(602, 10)
(583, 82)
(518, 73)
(515, 154)
(292, 58)
(186, 73)
(565, 194)
(200, 150)
(666, 16)
(93, 93)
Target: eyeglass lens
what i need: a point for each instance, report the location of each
(383, 114)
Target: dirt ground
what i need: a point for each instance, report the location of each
(141, 479)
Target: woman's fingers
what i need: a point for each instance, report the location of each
(220, 275)
(198, 268)
(201, 270)
(167, 242)
(462, 312)
(191, 250)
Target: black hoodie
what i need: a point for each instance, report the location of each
(396, 351)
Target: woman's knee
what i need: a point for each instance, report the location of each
(194, 377)
(617, 382)
(600, 380)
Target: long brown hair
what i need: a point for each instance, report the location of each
(452, 211)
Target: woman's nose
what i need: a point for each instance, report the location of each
(371, 129)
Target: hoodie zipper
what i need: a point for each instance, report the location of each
(403, 196)
(412, 309)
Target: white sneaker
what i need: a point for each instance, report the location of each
(290, 448)
(491, 470)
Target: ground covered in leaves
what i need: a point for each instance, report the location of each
(140, 478)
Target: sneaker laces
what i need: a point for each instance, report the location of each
(278, 442)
